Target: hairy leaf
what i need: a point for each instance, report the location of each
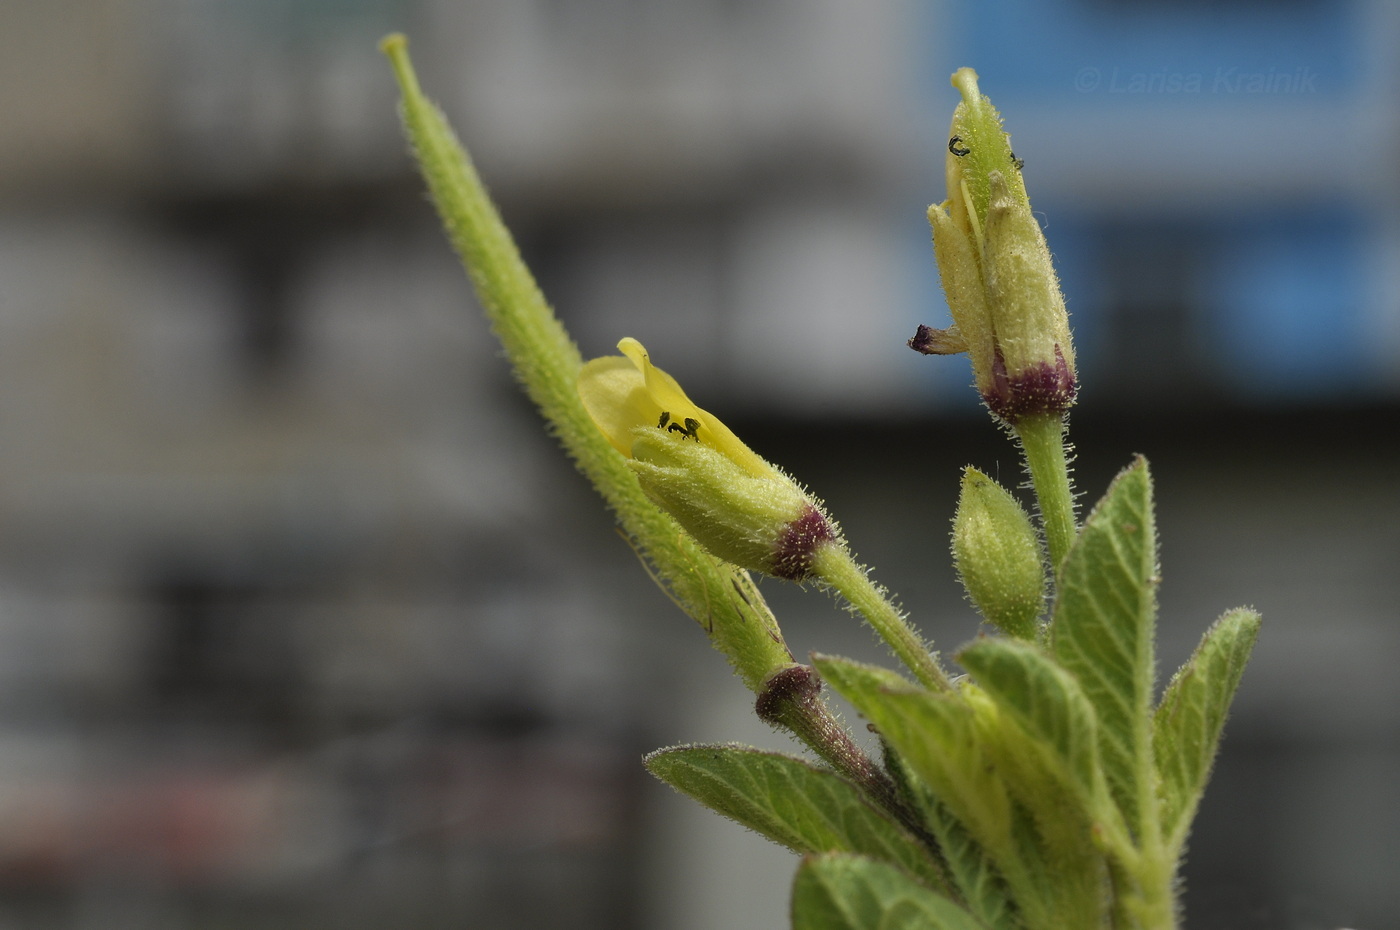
(843, 892)
(1187, 725)
(976, 876)
(979, 885)
(845, 675)
(1102, 633)
(1060, 825)
(935, 736)
(1048, 705)
(791, 802)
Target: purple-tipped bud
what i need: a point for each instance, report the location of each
(787, 688)
(765, 524)
(1008, 312)
(1040, 388)
(798, 544)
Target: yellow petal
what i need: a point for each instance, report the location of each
(623, 394)
(614, 393)
(664, 390)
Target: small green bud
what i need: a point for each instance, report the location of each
(998, 556)
(766, 524)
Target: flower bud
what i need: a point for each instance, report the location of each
(763, 524)
(1008, 312)
(735, 504)
(998, 556)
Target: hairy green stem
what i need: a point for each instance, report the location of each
(792, 699)
(722, 597)
(1042, 439)
(834, 565)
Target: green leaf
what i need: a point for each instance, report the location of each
(973, 871)
(1103, 634)
(842, 892)
(1049, 706)
(940, 740)
(793, 803)
(936, 737)
(964, 749)
(843, 675)
(1187, 725)
(979, 885)
(1037, 729)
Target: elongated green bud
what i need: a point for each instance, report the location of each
(1008, 313)
(998, 556)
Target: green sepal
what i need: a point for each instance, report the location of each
(1102, 633)
(978, 127)
(791, 802)
(1188, 722)
(845, 892)
(735, 515)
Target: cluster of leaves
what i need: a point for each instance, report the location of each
(1044, 791)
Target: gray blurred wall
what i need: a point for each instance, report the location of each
(304, 623)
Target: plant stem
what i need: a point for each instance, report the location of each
(833, 564)
(791, 698)
(1042, 439)
(1145, 895)
(720, 596)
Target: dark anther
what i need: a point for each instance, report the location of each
(1018, 162)
(958, 150)
(665, 418)
(691, 428)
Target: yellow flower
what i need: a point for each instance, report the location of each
(690, 464)
(625, 392)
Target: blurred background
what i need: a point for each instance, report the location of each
(305, 623)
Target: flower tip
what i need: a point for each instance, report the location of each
(634, 350)
(965, 80)
(999, 191)
(393, 43)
